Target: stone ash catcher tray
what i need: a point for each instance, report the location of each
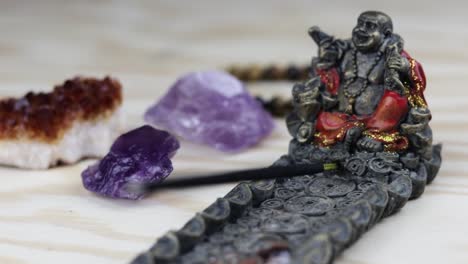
(363, 108)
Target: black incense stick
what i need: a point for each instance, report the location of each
(234, 176)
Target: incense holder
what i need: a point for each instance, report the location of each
(142, 155)
(212, 108)
(363, 108)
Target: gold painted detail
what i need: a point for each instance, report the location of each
(325, 141)
(393, 141)
(415, 98)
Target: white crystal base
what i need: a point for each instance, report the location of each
(83, 139)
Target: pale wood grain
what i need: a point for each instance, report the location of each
(48, 217)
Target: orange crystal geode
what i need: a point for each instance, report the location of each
(79, 118)
(45, 116)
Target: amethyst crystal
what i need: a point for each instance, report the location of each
(212, 108)
(139, 156)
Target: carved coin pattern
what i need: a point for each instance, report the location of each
(316, 223)
(248, 222)
(285, 224)
(356, 165)
(309, 205)
(294, 185)
(284, 193)
(341, 232)
(306, 179)
(235, 229)
(220, 238)
(272, 203)
(378, 165)
(262, 212)
(331, 187)
(366, 185)
(296, 212)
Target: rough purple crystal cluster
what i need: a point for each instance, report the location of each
(139, 156)
(212, 108)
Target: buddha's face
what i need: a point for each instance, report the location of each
(368, 34)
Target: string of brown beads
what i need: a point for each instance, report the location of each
(254, 72)
(277, 106)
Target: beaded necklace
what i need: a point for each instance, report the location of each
(352, 95)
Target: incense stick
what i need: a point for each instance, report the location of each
(234, 176)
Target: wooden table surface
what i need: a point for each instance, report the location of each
(48, 217)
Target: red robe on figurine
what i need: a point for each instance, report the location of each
(382, 125)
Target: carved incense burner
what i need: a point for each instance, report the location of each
(363, 108)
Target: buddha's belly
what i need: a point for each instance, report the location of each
(366, 102)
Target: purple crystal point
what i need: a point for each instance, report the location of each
(212, 108)
(139, 156)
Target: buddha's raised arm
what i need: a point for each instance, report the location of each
(330, 50)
